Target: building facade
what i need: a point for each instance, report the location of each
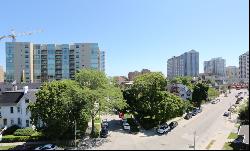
(1, 74)
(244, 66)
(215, 66)
(28, 62)
(232, 74)
(14, 107)
(132, 75)
(102, 61)
(186, 64)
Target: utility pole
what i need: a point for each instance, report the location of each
(75, 132)
(230, 111)
(194, 139)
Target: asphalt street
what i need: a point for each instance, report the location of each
(208, 125)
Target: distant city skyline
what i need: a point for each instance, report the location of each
(146, 36)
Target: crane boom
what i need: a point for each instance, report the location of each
(13, 34)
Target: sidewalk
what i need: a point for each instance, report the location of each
(221, 138)
(12, 144)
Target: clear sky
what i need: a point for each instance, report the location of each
(135, 34)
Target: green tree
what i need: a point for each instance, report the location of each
(147, 97)
(244, 113)
(199, 94)
(186, 80)
(101, 93)
(212, 93)
(58, 104)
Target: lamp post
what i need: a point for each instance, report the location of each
(230, 111)
(75, 132)
(194, 139)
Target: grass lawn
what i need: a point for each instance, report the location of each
(6, 147)
(227, 146)
(210, 144)
(232, 136)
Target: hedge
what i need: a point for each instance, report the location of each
(24, 132)
(12, 138)
(10, 130)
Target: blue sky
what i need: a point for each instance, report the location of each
(135, 34)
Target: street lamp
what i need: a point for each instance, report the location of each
(194, 139)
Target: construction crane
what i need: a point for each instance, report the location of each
(13, 34)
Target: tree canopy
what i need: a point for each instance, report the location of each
(186, 80)
(147, 97)
(200, 93)
(101, 93)
(58, 105)
(213, 93)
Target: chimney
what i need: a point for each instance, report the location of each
(14, 88)
(25, 89)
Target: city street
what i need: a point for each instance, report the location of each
(208, 125)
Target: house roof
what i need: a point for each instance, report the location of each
(10, 97)
(244, 130)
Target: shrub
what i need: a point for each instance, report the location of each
(12, 138)
(96, 132)
(24, 132)
(10, 130)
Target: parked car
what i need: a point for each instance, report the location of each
(226, 114)
(237, 102)
(126, 126)
(215, 101)
(47, 147)
(239, 139)
(194, 112)
(241, 98)
(163, 129)
(123, 121)
(105, 123)
(104, 133)
(173, 124)
(188, 116)
(199, 110)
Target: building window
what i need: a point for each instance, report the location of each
(11, 110)
(26, 46)
(5, 122)
(18, 109)
(12, 121)
(77, 46)
(19, 121)
(26, 100)
(27, 123)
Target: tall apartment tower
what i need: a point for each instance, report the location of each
(244, 66)
(186, 64)
(102, 61)
(1, 74)
(27, 62)
(215, 66)
(232, 73)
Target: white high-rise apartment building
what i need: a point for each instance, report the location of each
(186, 64)
(232, 73)
(215, 66)
(28, 62)
(244, 66)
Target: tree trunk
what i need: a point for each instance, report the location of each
(93, 124)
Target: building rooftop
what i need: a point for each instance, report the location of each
(11, 97)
